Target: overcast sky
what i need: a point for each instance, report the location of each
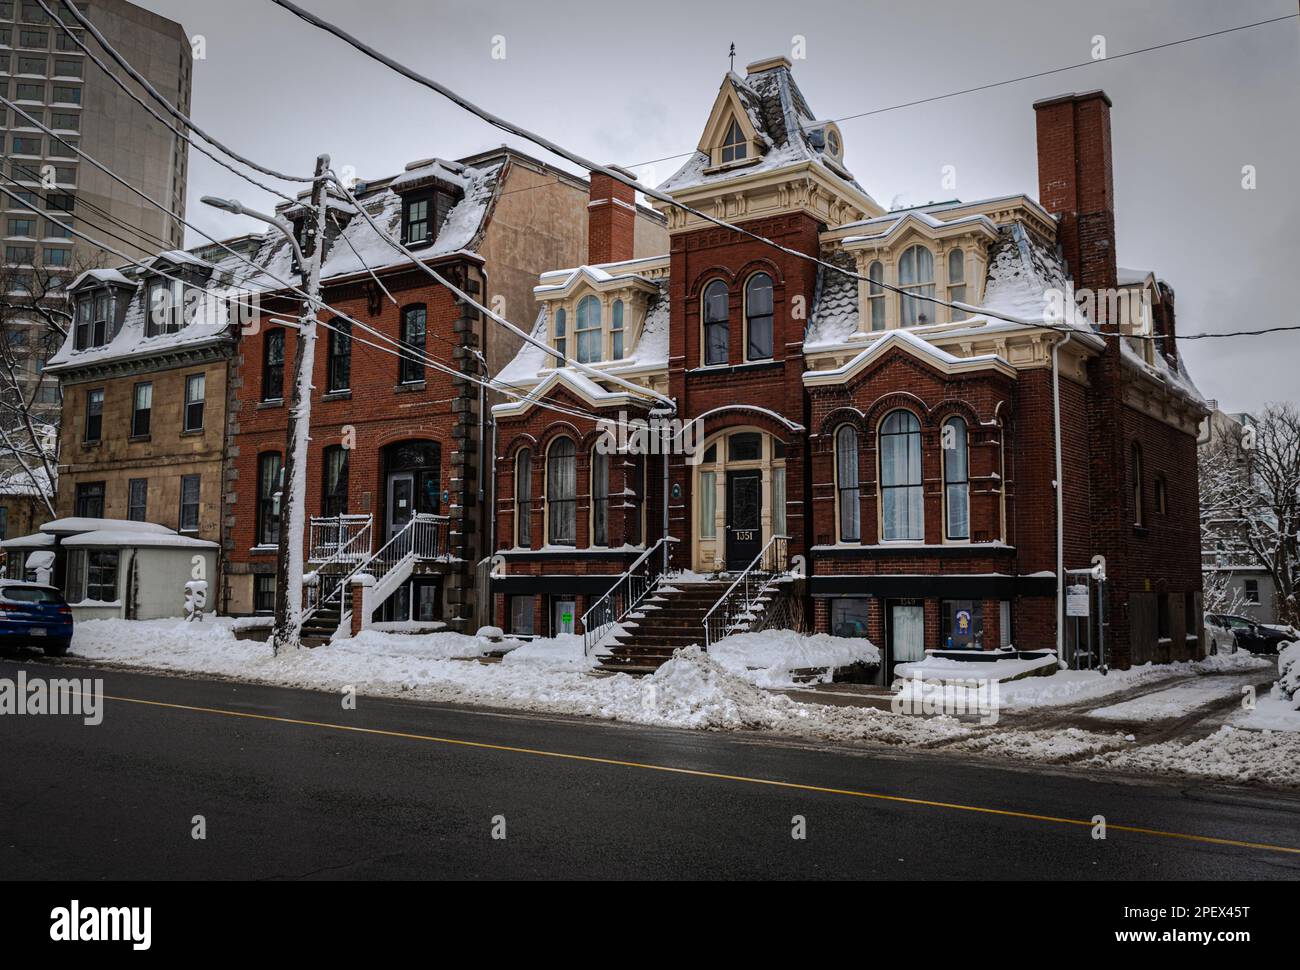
(627, 83)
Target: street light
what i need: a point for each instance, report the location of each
(289, 566)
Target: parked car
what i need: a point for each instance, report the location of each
(1219, 637)
(34, 615)
(1250, 635)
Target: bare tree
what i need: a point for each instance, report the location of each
(1250, 502)
(35, 318)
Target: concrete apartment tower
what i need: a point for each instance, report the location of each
(47, 74)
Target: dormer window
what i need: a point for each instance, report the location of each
(734, 145)
(166, 307)
(92, 329)
(417, 227)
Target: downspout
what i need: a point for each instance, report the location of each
(1059, 485)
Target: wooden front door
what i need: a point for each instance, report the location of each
(744, 518)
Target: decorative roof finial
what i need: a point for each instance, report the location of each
(733, 58)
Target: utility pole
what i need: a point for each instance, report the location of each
(293, 502)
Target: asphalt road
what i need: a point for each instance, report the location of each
(293, 786)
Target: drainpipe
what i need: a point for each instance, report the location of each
(1059, 484)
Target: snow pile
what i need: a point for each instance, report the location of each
(769, 658)
(1227, 755)
(1050, 746)
(1287, 687)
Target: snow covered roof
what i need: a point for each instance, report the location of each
(1174, 377)
(37, 540)
(834, 318)
(788, 131)
(359, 246)
(531, 364)
(915, 345)
(101, 276)
(135, 539)
(20, 482)
(75, 524)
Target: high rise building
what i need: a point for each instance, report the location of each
(46, 74)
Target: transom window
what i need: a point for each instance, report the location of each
(901, 491)
(916, 278)
(588, 330)
(734, 145)
(716, 337)
(758, 317)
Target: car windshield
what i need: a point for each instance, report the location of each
(30, 594)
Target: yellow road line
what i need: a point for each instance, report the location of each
(697, 773)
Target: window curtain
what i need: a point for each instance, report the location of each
(708, 504)
(599, 499)
(778, 501)
(956, 476)
(909, 633)
(900, 468)
(562, 490)
(846, 452)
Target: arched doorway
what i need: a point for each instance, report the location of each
(738, 498)
(411, 482)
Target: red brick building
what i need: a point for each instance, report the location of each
(908, 450)
(395, 477)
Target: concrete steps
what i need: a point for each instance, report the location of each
(668, 620)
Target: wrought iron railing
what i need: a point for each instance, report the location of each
(423, 537)
(736, 609)
(338, 538)
(624, 596)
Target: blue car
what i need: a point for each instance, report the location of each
(34, 615)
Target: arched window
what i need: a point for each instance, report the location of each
(561, 334)
(588, 330)
(561, 493)
(901, 493)
(334, 483)
(268, 498)
(523, 498)
(876, 295)
(716, 344)
(956, 479)
(846, 484)
(414, 323)
(1135, 462)
(339, 365)
(957, 281)
(916, 276)
(599, 497)
(273, 365)
(758, 317)
(616, 331)
(734, 146)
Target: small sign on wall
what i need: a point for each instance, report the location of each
(1077, 601)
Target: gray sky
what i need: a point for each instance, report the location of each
(628, 83)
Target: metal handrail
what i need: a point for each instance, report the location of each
(734, 608)
(333, 538)
(424, 535)
(623, 597)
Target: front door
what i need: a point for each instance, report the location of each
(564, 613)
(401, 501)
(906, 635)
(744, 518)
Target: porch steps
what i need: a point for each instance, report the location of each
(673, 619)
(320, 626)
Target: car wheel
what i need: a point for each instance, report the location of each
(57, 648)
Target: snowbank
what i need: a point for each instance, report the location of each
(1228, 755)
(769, 658)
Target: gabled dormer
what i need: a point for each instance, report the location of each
(100, 298)
(428, 190)
(338, 213)
(174, 286)
(730, 138)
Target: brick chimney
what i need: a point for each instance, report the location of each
(611, 220)
(1076, 182)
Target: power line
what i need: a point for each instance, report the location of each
(153, 93)
(1014, 80)
(414, 356)
(616, 175)
(170, 127)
